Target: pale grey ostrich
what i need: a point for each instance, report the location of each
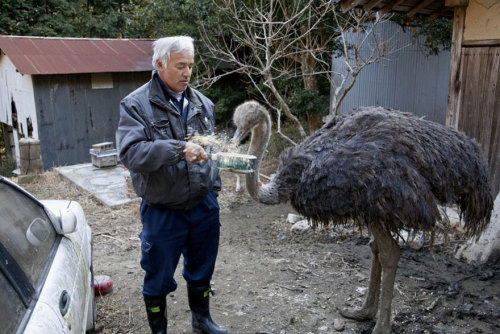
(385, 169)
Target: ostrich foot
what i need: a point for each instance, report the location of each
(359, 314)
(382, 329)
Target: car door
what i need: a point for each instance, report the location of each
(39, 269)
(62, 294)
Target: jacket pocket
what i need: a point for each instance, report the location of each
(201, 124)
(162, 129)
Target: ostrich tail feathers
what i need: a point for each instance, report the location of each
(469, 187)
(476, 208)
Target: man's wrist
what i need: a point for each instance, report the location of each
(181, 148)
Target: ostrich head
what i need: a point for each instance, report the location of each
(251, 118)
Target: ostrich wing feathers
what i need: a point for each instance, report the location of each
(380, 165)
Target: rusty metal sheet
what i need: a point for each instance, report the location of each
(43, 55)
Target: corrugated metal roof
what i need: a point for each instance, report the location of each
(48, 55)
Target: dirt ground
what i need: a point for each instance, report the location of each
(269, 279)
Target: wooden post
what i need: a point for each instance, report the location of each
(454, 88)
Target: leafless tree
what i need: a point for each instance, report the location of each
(282, 39)
(362, 44)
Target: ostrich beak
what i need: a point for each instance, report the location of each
(238, 136)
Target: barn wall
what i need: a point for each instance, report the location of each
(72, 116)
(480, 103)
(408, 80)
(16, 90)
(482, 20)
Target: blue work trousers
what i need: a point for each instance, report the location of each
(166, 234)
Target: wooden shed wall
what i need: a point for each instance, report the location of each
(480, 103)
(72, 116)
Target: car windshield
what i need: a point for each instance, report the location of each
(26, 232)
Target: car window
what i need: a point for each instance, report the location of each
(11, 307)
(26, 231)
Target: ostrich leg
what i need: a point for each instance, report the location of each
(369, 308)
(389, 257)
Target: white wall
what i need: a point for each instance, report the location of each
(18, 88)
(482, 20)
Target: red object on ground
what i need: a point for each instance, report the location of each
(103, 285)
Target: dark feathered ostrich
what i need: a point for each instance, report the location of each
(386, 169)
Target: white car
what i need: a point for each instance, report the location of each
(46, 279)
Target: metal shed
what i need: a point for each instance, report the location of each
(65, 92)
(408, 79)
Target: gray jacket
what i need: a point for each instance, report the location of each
(151, 137)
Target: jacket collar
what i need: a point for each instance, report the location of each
(157, 96)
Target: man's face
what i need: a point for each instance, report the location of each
(178, 72)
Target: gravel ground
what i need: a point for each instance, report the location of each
(270, 279)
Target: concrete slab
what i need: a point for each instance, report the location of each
(108, 185)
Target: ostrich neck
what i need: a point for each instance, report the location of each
(258, 144)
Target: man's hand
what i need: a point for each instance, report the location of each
(195, 153)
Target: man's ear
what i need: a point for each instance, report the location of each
(159, 64)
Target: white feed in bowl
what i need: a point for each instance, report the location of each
(235, 161)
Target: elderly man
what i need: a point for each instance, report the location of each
(177, 182)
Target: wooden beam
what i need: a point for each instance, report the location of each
(439, 12)
(390, 6)
(456, 3)
(349, 4)
(454, 87)
(483, 42)
(417, 8)
(371, 4)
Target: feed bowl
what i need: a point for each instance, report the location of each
(236, 162)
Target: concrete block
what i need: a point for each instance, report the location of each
(35, 166)
(23, 179)
(35, 150)
(103, 155)
(102, 146)
(24, 166)
(29, 154)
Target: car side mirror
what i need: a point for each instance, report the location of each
(64, 220)
(67, 221)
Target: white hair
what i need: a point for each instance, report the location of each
(164, 47)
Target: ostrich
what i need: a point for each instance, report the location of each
(385, 169)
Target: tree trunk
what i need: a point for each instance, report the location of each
(284, 106)
(311, 83)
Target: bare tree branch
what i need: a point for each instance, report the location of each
(274, 40)
(361, 46)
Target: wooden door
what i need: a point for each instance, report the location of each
(479, 103)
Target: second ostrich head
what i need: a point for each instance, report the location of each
(251, 118)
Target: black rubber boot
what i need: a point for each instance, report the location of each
(155, 309)
(199, 303)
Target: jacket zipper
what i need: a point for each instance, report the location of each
(179, 116)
